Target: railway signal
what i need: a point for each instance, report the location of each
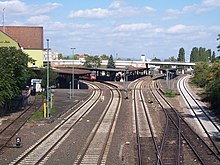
(18, 142)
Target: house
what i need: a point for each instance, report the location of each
(27, 38)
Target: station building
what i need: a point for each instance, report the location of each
(27, 38)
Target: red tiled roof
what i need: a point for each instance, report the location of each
(27, 37)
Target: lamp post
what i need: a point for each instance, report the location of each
(73, 74)
(3, 19)
(48, 111)
(126, 80)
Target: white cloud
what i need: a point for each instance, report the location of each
(178, 29)
(14, 6)
(115, 9)
(38, 19)
(204, 6)
(172, 14)
(133, 27)
(115, 5)
(149, 9)
(93, 13)
(18, 8)
(45, 8)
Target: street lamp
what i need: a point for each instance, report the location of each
(3, 19)
(72, 74)
(48, 111)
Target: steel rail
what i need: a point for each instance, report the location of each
(11, 129)
(138, 87)
(151, 129)
(47, 136)
(137, 128)
(199, 120)
(214, 124)
(91, 138)
(194, 133)
(167, 114)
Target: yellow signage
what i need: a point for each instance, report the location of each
(6, 41)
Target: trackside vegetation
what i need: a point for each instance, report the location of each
(207, 76)
(14, 73)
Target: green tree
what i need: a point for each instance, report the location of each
(213, 85)
(66, 57)
(171, 59)
(111, 63)
(213, 56)
(201, 71)
(104, 57)
(208, 55)
(156, 59)
(181, 55)
(200, 54)
(43, 75)
(60, 56)
(14, 72)
(76, 56)
(194, 55)
(92, 62)
(218, 47)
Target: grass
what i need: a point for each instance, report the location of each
(39, 114)
(170, 94)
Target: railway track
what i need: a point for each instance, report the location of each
(209, 127)
(170, 146)
(38, 153)
(144, 128)
(201, 150)
(12, 128)
(96, 149)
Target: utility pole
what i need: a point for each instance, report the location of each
(126, 81)
(3, 19)
(73, 73)
(48, 102)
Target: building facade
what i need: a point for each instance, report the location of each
(29, 39)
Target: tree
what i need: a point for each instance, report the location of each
(208, 56)
(104, 57)
(213, 56)
(171, 59)
(60, 56)
(194, 54)
(75, 57)
(66, 58)
(43, 75)
(218, 47)
(200, 54)
(213, 85)
(156, 59)
(111, 63)
(14, 72)
(92, 62)
(201, 71)
(181, 55)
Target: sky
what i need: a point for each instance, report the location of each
(122, 28)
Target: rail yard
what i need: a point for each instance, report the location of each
(108, 124)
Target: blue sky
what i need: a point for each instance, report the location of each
(128, 28)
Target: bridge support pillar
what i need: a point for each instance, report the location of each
(183, 71)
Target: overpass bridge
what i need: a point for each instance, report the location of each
(121, 63)
(180, 66)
